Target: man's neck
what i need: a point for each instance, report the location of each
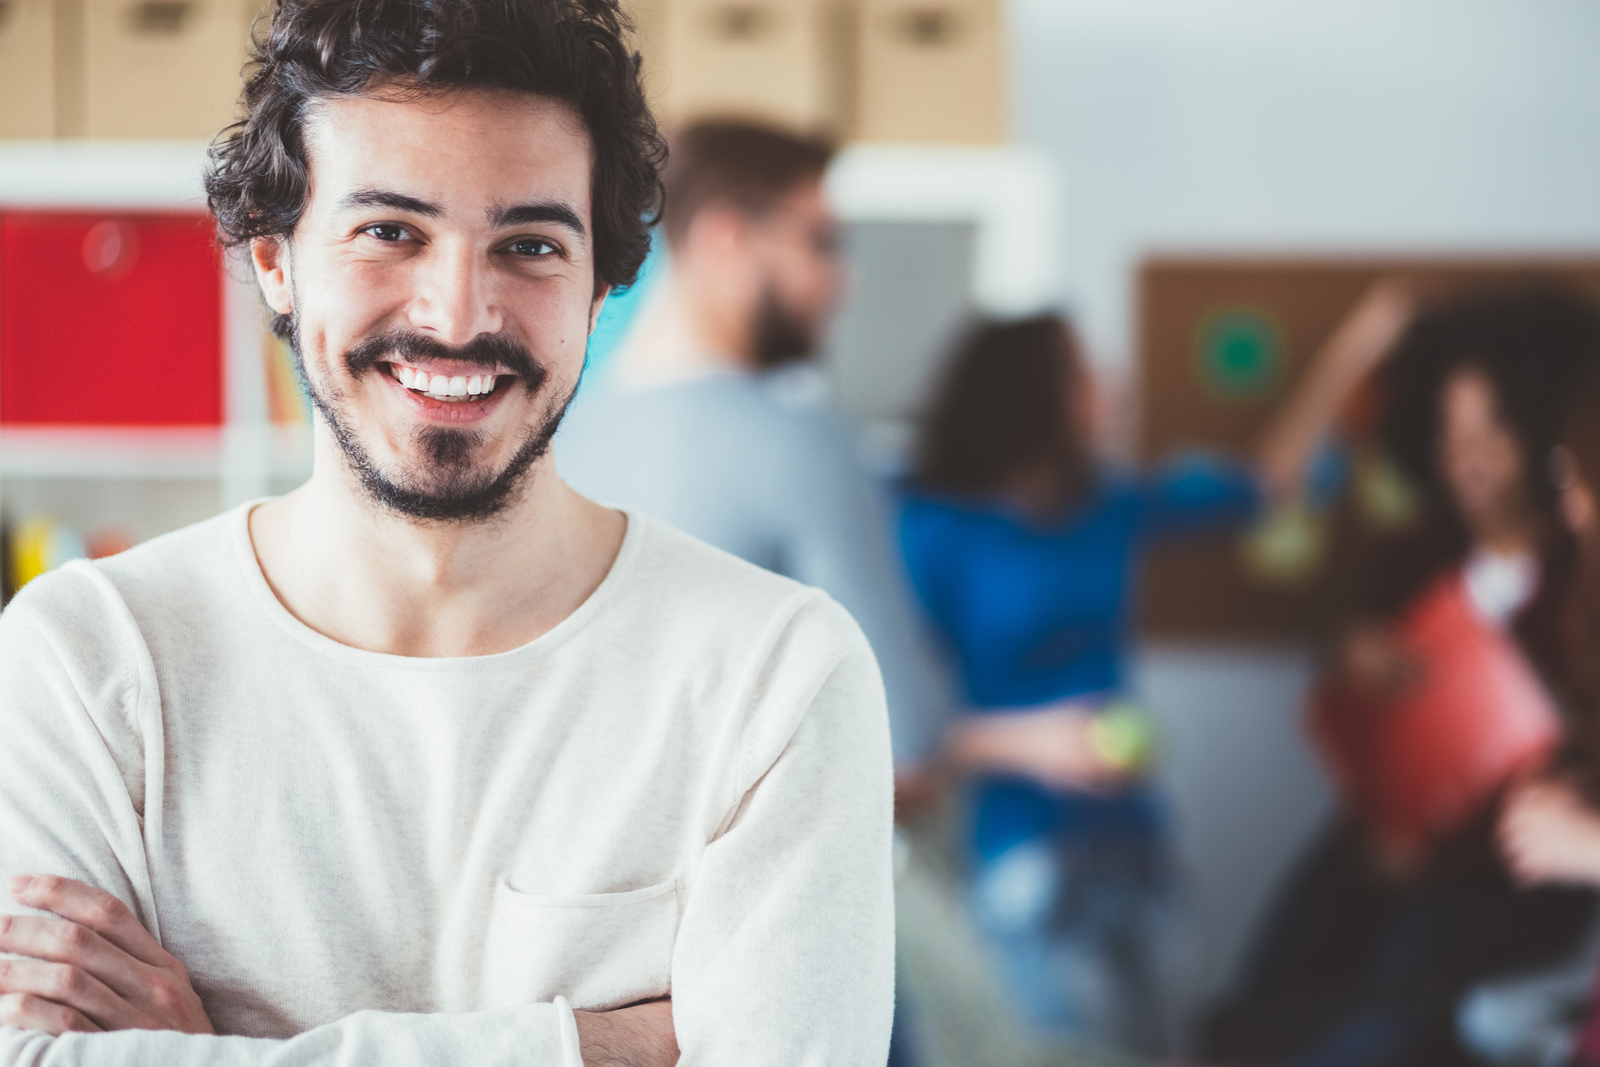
(683, 333)
(368, 577)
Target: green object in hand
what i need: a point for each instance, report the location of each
(1123, 735)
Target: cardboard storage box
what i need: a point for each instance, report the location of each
(929, 71)
(27, 68)
(162, 68)
(781, 60)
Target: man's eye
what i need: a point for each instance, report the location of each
(532, 246)
(386, 231)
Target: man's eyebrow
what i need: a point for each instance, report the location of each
(531, 214)
(386, 198)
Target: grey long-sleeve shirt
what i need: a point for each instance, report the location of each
(736, 460)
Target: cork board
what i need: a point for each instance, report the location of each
(1221, 343)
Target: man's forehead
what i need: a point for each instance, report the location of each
(464, 150)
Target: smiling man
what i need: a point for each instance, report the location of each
(434, 761)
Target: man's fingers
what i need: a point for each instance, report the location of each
(25, 1011)
(64, 942)
(99, 936)
(93, 908)
(67, 988)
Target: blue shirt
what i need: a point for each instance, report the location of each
(1038, 610)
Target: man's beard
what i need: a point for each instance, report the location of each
(446, 486)
(781, 336)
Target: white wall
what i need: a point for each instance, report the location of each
(1364, 125)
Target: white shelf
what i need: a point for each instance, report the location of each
(102, 174)
(155, 453)
(86, 452)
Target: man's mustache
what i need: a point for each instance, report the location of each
(491, 351)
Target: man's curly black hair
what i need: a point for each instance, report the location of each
(315, 50)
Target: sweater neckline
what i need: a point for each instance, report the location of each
(557, 635)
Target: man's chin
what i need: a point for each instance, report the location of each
(443, 473)
(471, 497)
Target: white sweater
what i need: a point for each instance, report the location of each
(684, 789)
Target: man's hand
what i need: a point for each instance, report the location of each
(640, 1036)
(94, 968)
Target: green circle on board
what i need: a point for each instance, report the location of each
(1240, 353)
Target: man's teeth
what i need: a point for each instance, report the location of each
(439, 385)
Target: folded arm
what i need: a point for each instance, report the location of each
(785, 952)
(90, 968)
(78, 716)
(785, 949)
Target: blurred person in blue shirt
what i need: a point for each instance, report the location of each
(711, 418)
(1024, 550)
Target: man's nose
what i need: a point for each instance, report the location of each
(454, 298)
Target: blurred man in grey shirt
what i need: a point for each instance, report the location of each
(711, 420)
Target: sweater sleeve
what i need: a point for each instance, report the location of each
(535, 1035)
(1194, 494)
(785, 951)
(79, 731)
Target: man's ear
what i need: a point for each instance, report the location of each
(270, 257)
(600, 294)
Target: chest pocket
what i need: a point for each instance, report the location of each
(599, 950)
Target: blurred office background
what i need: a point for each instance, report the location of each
(1128, 161)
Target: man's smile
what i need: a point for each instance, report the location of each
(450, 391)
(446, 387)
